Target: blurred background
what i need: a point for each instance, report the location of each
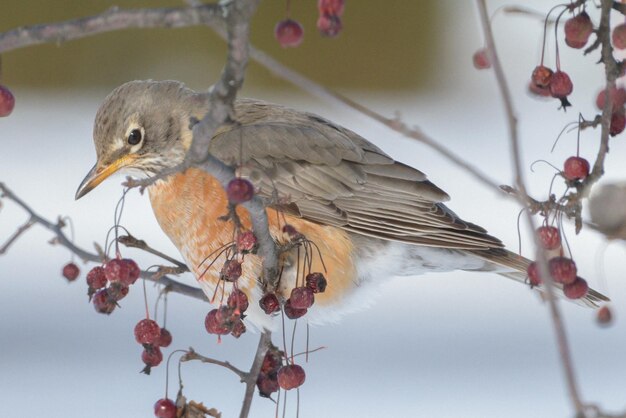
(441, 345)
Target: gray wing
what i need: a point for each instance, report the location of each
(307, 166)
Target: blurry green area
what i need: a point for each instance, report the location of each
(384, 46)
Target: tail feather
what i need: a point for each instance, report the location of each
(513, 266)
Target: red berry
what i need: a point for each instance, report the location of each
(301, 298)
(538, 91)
(329, 25)
(238, 300)
(239, 190)
(575, 168)
(103, 303)
(269, 303)
(272, 361)
(151, 357)
(288, 33)
(316, 282)
(216, 322)
(117, 291)
(577, 289)
(481, 59)
(541, 76)
(562, 269)
(619, 36)
(116, 270)
(604, 316)
(617, 95)
(96, 278)
(293, 313)
(165, 408)
(560, 85)
(231, 270)
(246, 242)
(291, 376)
(267, 384)
(533, 274)
(238, 328)
(7, 101)
(165, 338)
(147, 331)
(577, 30)
(618, 122)
(549, 237)
(71, 272)
(133, 271)
(331, 7)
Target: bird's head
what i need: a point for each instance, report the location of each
(141, 128)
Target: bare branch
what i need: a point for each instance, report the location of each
(23, 228)
(132, 242)
(264, 342)
(192, 355)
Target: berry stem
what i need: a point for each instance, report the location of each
(167, 370)
(145, 298)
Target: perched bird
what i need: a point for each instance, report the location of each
(369, 217)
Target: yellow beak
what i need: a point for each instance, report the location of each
(98, 174)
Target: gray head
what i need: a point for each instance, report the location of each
(142, 127)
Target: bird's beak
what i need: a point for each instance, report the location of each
(99, 173)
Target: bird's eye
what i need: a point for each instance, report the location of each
(134, 137)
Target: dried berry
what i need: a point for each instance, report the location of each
(301, 298)
(577, 289)
(618, 122)
(549, 237)
(147, 331)
(151, 357)
(291, 376)
(316, 282)
(481, 59)
(165, 408)
(604, 316)
(576, 168)
(542, 76)
(246, 242)
(238, 300)
(103, 303)
(231, 270)
(577, 30)
(293, 313)
(117, 291)
(7, 101)
(218, 321)
(96, 278)
(269, 303)
(563, 270)
(561, 85)
(533, 274)
(267, 384)
(71, 272)
(238, 328)
(288, 33)
(133, 271)
(329, 25)
(116, 270)
(165, 338)
(619, 36)
(617, 96)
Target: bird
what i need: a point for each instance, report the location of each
(365, 216)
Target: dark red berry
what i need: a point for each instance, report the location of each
(7, 101)
(577, 289)
(147, 331)
(71, 272)
(117, 291)
(267, 384)
(316, 282)
(103, 303)
(560, 85)
(165, 338)
(542, 76)
(239, 190)
(116, 270)
(617, 96)
(533, 274)
(231, 270)
(293, 313)
(246, 242)
(331, 7)
(96, 278)
(301, 297)
(165, 408)
(291, 376)
(481, 59)
(269, 303)
(619, 36)
(549, 237)
(151, 357)
(538, 91)
(238, 328)
(577, 30)
(288, 33)
(576, 168)
(133, 271)
(272, 361)
(329, 25)
(563, 270)
(217, 322)
(618, 122)
(604, 316)
(238, 300)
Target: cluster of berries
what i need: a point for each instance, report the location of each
(152, 337)
(289, 32)
(275, 374)
(228, 319)
(110, 283)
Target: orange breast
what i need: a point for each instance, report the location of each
(188, 207)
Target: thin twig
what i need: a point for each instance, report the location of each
(132, 242)
(23, 228)
(557, 321)
(192, 355)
